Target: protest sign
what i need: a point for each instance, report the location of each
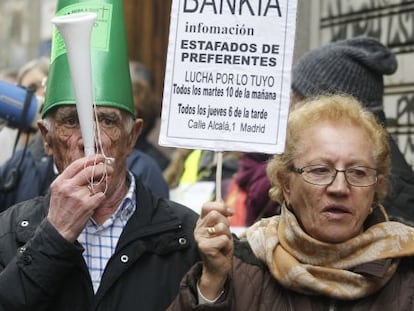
(227, 80)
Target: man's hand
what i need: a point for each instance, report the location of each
(72, 201)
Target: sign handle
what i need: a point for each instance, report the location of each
(219, 166)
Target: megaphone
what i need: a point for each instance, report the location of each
(76, 30)
(19, 106)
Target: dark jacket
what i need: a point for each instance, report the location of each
(400, 201)
(252, 288)
(42, 271)
(35, 173)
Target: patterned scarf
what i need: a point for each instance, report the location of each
(305, 265)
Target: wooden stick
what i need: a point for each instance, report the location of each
(219, 169)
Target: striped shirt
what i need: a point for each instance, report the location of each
(99, 241)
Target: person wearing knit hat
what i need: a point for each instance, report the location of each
(354, 66)
(99, 239)
(357, 67)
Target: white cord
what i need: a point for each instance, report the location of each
(99, 149)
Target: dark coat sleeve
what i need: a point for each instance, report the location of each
(187, 297)
(34, 274)
(400, 201)
(24, 177)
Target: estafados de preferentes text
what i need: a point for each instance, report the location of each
(225, 53)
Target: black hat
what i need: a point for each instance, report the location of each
(353, 66)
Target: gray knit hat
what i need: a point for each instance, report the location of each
(353, 66)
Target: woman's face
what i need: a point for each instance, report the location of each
(336, 212)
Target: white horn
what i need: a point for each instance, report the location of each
(76, 30)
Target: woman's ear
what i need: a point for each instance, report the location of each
(284, 183)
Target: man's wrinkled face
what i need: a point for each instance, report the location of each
(65, 139)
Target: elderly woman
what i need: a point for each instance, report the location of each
(332, 247)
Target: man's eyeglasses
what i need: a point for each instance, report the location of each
(322, 175)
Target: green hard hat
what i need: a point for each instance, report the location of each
(111, 78)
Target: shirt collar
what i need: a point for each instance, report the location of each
(125, 209)
(128, 204)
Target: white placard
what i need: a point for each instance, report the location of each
(227, 80)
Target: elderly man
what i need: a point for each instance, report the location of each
(114, 245)
(99, 240)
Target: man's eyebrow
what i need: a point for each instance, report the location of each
(110, 114)
(64, 113)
